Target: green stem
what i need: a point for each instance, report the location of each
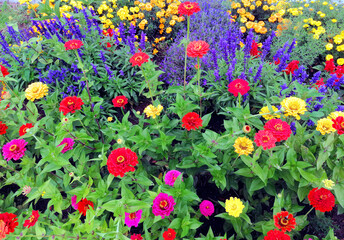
(122, 111)
(150, 91)
(199, 86)
(185, 57)
(85, 128)
(235, 161)
(239, 100)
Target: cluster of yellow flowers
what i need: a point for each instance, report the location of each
(314, 27)
(243, 11)
(337, 40)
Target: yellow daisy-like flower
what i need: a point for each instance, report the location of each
(329, 184)
(109, 119)
(234, 206)
(340, 61)
(329, 46)
(329, 57)
(324, 126)
(293, 107)
(243, 146)
(266, 110)
(152, 111)
(334, 115)
(36, 90)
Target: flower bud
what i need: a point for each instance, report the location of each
(246, 129)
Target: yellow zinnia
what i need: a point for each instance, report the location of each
(329, 57)
(243, 146)
(294, 106)
(152, 111)
(324, 126)
(234, 206)
(340, 61)
(266, 110)
(329, 46)
(334, 115)
(36, 90)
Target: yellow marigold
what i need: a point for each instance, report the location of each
(329, 57)
(272, 19)
(265, 111)
(243, 19)
(325, 3)
(324, 126)
(36, 90)
(252, 7)
(334, 115)
(109, 119)
(258, 3)
(172, 22)
(294, 106)
(234, 206)
(329, 184)
(149, 7)
(338, 39)
(241, 11)
(265, 7)
(243, 29)
(155, 51)
(329, 46)
(334, 20)
(340, 61)
(152, 111)
(263, 30)
(243, 146)
(168, 30)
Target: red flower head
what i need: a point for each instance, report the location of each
(11, 222)
(278, 61)
(276, 235)
(84, 205)
(70, 104)
(338, 124)
(120, 101)
(329, 66)
(292, 66)
(319, 83)
(32, 220)
(121, 161)
(321, 199)
(188, 8)
(265, 138)
(279, 129)
(108, 45)
(197, 48)
(73, 44)
(24, 128)
(109, 32)
(4, 71)
(192, 121)
(340, 71)
(136, 237)
(254, 49)
(3, 128)
(170, 234)
(285, 221)
(138, 58)
(238, 86)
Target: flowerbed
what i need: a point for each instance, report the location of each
(243, 142)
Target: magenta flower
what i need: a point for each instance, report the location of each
(133, 219)
(74, 203)
(68, 142)
(15, 149)
(163, 205)
(171, 177)
(207, 208)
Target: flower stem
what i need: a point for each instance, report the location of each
(199, 87)
(150, 91)
(185, 58)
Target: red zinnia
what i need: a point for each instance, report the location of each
(121, 161)
(188, 8)
(4, 71)
(108, 45)
(292, 66)
(265, 138)
(170, 234)
(120, 101)
(139, 58)
(338, 124)
(32, 220)
(136, 237)
(84, 205)
(329, 66)
(321, 199)
(70, 104)
(73, 44)
(279, 129)
(24, 128)
(3, 128)
(191, 120)
(319, 83)
(10, 220)
(285, 221)
(238, 86)
(254, 49)
(276, 235)
(197, 48)
(108, 32)
(340, 71)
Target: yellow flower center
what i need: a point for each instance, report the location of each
(70, 103)
(189, 6)
(35, 90)
(14, 148)
(284, 221)
(342, 124)
(120, 159)
(132, 215)
(278, 127)
(120, 101)
(323, 197)
(234, 207)
(32, 218)
(139, 58)
(294, 106)
(265, 139)
(163, 204)
(198, 46)
(238, 86)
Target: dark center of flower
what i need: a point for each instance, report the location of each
(278, 127)
(132, 215)
(139, 58)
(265, 139)
(169, 235)
(248, 128)
(189, 6)
(120, 101)
(163, 204)
(207, 207)
(120, 159)
(283, 221)
(238, 86)
(13, 148)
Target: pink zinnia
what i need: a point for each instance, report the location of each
(133, 219)
(15, 149)
(68, 142)
(265, 139)
(163, 205)
(207, 208)
(74, 203)
(171, 177)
